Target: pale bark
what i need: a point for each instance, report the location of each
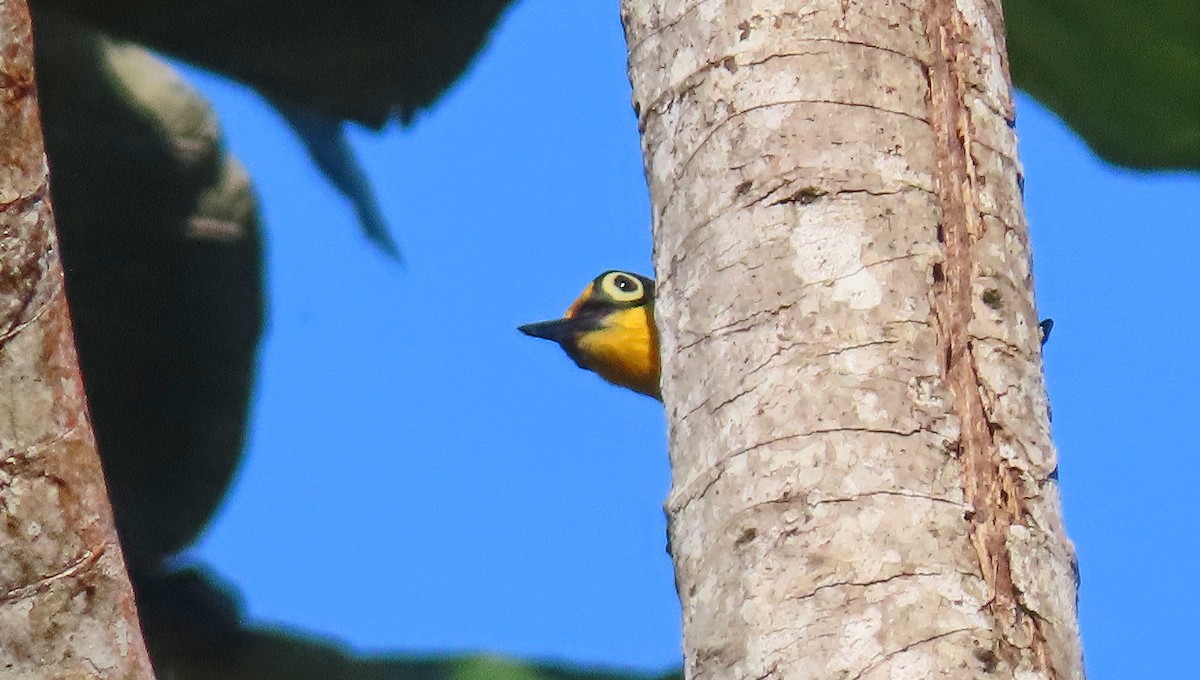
(66, 609)
(863, 477)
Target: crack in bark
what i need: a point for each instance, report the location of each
(835, 41)
(872, 582)
(732, 399)
(688, 83)
(669, 271)
(20, 463)
(789, 496)
(770, 672)
(732, 327)
(634, 47)
(808, 195)
(22, 320)
(872, 343)
(887, 492)
(907, 186)
(785, 55)
(736, 326)
(859, 43)
(865, 266)
(678, 502)
(77, 566)
(910, 646)
(737, 263)
(720, 125)
(985, 99)
(989, 147)
(1002, 346)
(779, 351)
(21, 203)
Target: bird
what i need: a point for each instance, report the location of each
(1044, 328)
(609, 330)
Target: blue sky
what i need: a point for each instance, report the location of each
(421, 478)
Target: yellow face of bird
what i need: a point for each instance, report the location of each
(610, 329)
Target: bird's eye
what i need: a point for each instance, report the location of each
(622, 287)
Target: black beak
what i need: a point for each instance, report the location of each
(558, 330)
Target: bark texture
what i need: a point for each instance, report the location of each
(864, 483)
(66, 609)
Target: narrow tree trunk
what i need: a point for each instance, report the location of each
(864, 480)
(66, 609)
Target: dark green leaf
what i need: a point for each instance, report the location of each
(1125, 74)
(193, 633)
(364, 60)
(163, 265)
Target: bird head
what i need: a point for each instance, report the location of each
(610, 330)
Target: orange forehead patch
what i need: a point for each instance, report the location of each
(574, 308)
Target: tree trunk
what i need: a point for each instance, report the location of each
(863, 479)
(66, 609)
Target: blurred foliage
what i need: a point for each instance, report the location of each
(1124, 74)
(364, 60)
(195, 637)
(318, 62)
(163, 266)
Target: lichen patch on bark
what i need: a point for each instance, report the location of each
(828, 247)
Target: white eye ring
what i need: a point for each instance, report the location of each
(622, 287)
